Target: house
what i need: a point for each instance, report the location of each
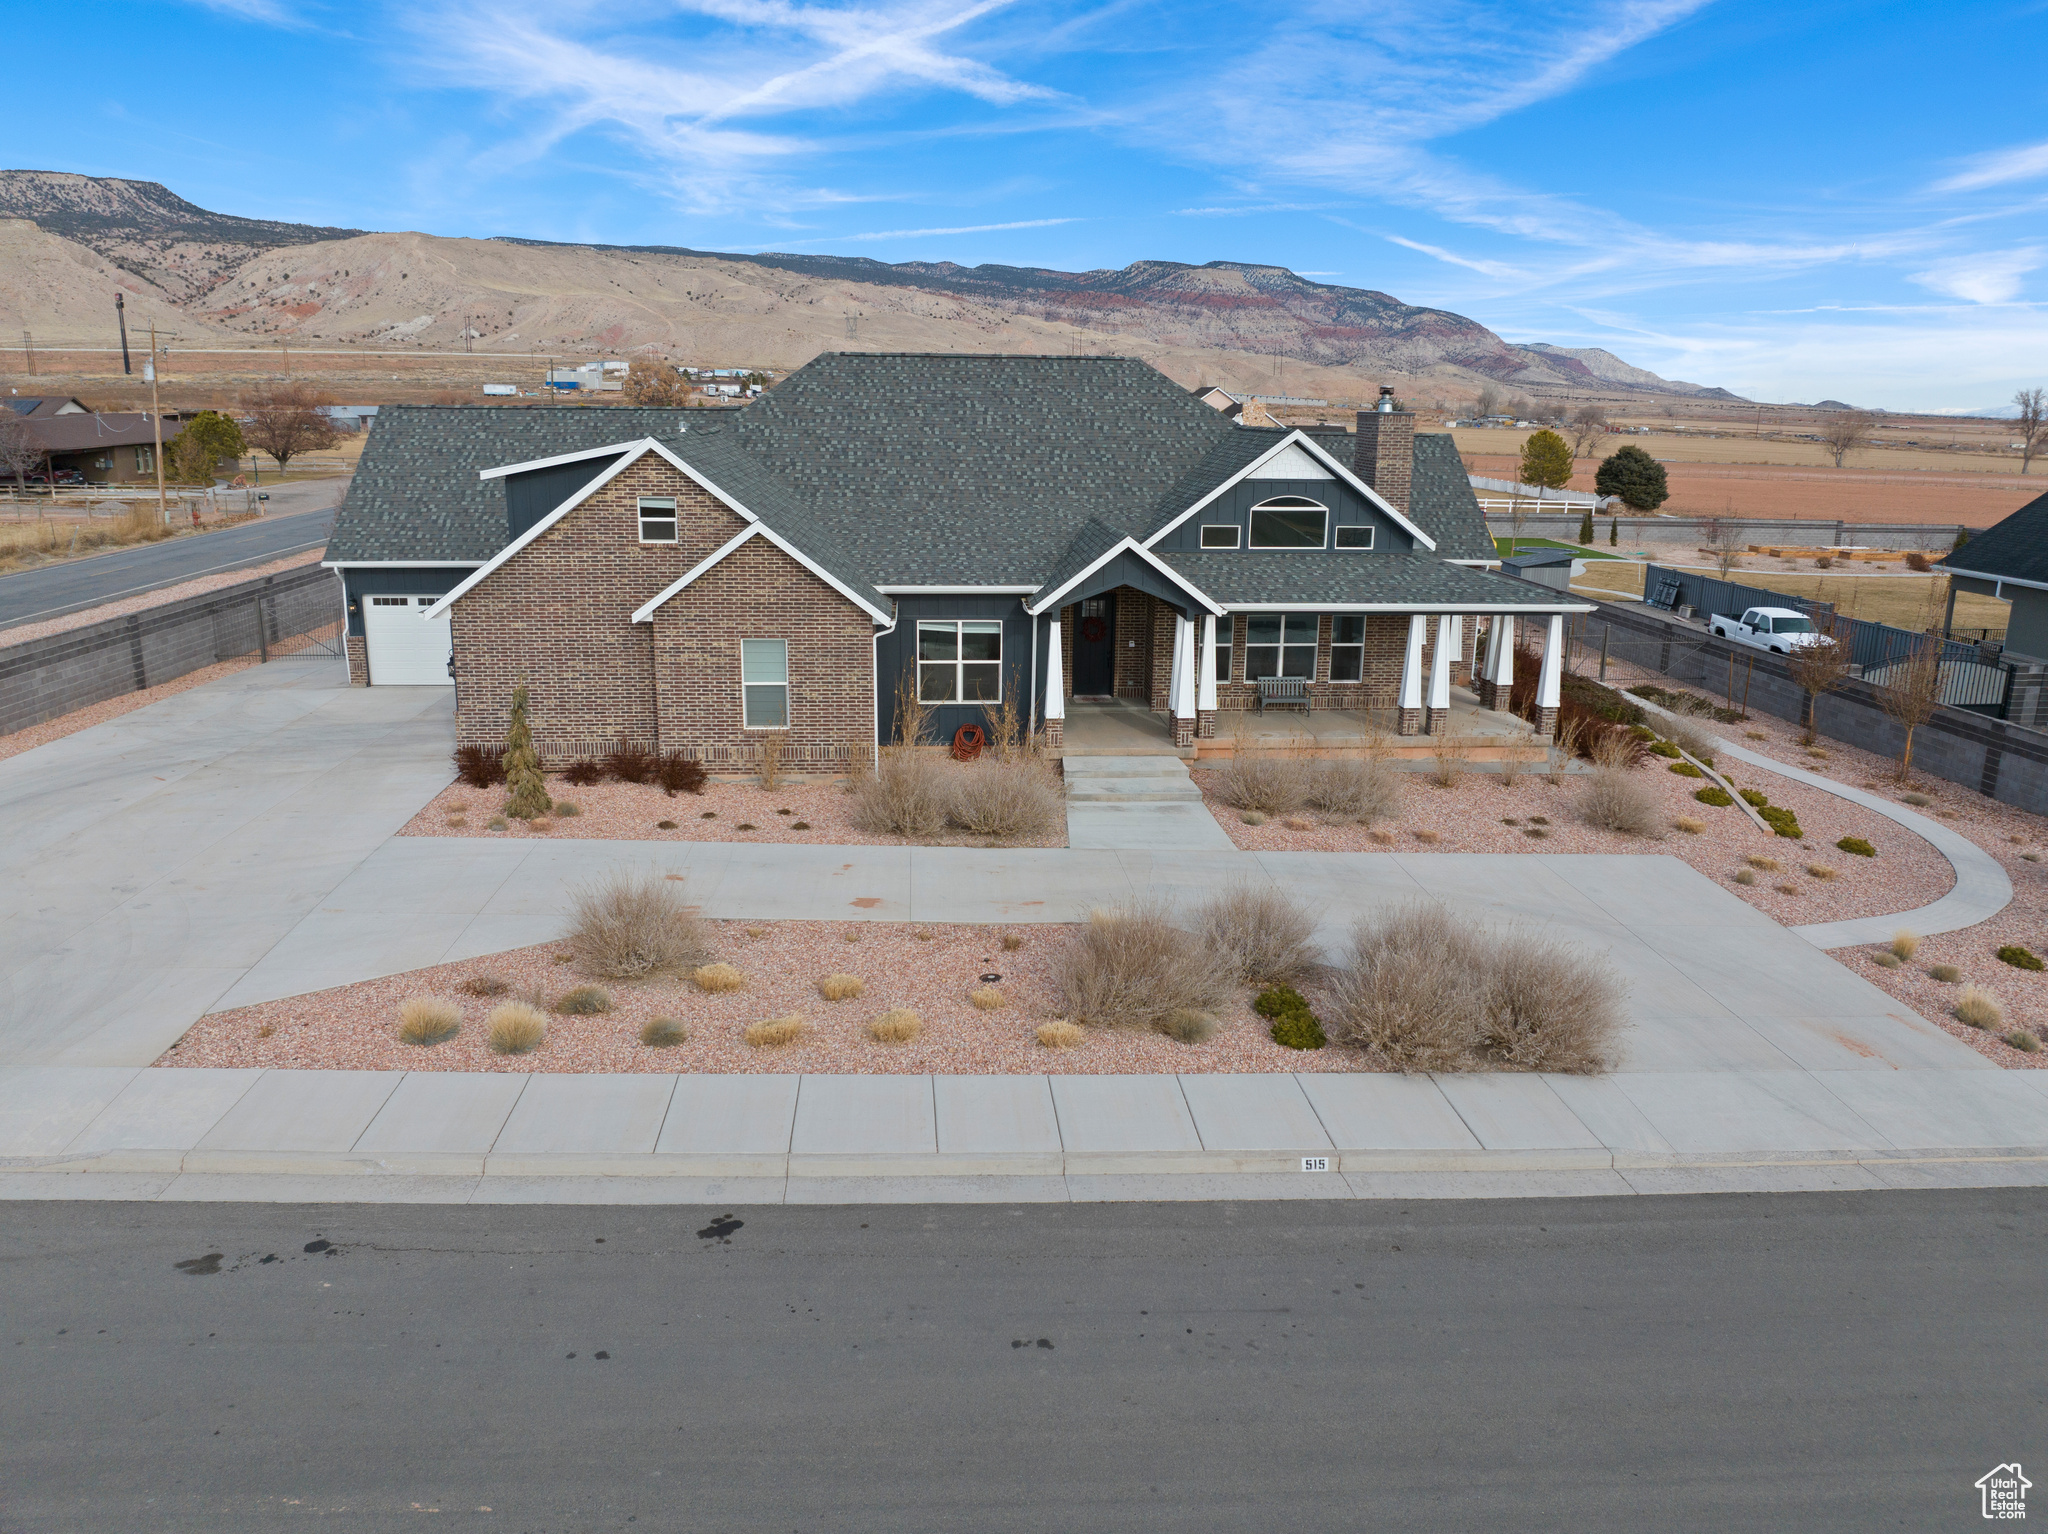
(103, 448)
(46, 405)
(2009, 561)
(1048, 534)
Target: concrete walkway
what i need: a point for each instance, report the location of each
(1981, 889)
(1138, 802)
(235, 844)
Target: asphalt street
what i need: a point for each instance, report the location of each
(1773, 1361)
(299, 516)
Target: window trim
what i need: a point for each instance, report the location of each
(1226, 649)
(1337, 537)
(1236, 535)
(1313, 645)
(958, 663)
(659, 503)
(745, 685)
(1364, 626)
(1276, 503)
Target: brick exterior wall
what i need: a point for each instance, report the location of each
(1384, 454)
(558, 617)
(1134, 623)
(358, 661)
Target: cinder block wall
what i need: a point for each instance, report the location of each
(43, 678)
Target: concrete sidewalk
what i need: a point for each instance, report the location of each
(356, 1136)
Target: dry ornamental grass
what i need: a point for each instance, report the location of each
(627, 926)
(1614, 801)
(428, 1020)
(906, 795)
(1270, 785)
(1905, 944)
(718, 977)
(516, 1028)
(775, 1032)
(1060, 1034)
(1980, 1009)
(840, 987)
(584, 1001)
(663, 1033)
(1364, 790)
(1266, 937)
(1008, 799)
(1134, 968)
(899, 1025)
(987, 999)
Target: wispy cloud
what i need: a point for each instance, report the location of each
(914, 234)
(1992, 277)
(2000, 167)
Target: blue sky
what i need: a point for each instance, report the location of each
(1792, 201)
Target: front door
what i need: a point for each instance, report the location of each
(1095, 648)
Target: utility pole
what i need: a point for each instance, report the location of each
(163, 511)
(121, 319)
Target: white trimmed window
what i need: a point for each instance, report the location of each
(1354, 537)
(1289, 522)
(959, 661)
(764, 683)
(1226, 633)
(658, 520)
(1347, 645)
(1220, 535)
(1280, 644)
(145, 459)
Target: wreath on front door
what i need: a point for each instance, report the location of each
(1094, 630)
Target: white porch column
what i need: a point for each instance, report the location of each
(1500, 671)
(1440, 670)
(1550, 687)
(1411, 675)
(1173, 682)
(1184, 689)
(1055, 682)
(1205, 688)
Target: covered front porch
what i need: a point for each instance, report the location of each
(1106, 727)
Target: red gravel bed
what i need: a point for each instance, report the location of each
(635, 812)
(353, 1027)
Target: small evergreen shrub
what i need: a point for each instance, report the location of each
(1947, 974)
(1294, 1025)
(1686, 770)
(529, 797)
(1856, 846)
(1754, 796)
(2023, 1041)
(1781, 820)
(1661, 747)
(1720, 798)
(2018, 957)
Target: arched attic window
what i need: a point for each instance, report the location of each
(1290, 522)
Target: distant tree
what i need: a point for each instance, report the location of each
(1488, 402)
(208, 439)
(1546, 461)
(2033, 423)
(286, 420)
(1586, 525)
(649, 382)
(1520, 408)
(18, 450)
(1636, 477)
(1588, 423)
(1724, 544)
(1614, 532)
(1845, 431)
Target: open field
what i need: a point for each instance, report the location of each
(1904, 601)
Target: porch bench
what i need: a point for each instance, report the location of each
(1285, 692)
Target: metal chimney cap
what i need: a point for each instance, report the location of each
(1386, 399)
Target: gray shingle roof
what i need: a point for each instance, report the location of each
(2016, 547)
(1441, 502)
(1250, 575)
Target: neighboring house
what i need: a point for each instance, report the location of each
(1037, 531)
(107, 449)
(46, 405)
(2009, 560)
(1218, 398)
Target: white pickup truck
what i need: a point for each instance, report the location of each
(1778, 629)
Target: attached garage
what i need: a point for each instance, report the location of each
(405, 648)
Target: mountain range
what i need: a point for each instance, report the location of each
(66, 240)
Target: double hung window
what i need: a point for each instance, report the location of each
(764, 683)
(1347, 646)
(1280, 644)
(959, 661)
(657, 519)
(1226, 634)
(1288, 522)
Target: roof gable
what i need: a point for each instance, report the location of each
(2015, 549)
(1289, 463)
(1311, 452)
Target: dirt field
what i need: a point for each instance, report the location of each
(1901, 600)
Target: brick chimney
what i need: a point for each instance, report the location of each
(1385, 455)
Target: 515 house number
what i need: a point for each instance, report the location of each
(1315, 1163)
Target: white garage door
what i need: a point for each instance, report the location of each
(405, 649)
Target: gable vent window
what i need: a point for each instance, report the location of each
(1354, 537)
(657, 519)
(960, 662)
(1220, 535)
(1289, 522)
(1347, 641)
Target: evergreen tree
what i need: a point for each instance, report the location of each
(1546, 461)
(1614, 532)
(1636, 477)
(1586, 526)
(529, 799)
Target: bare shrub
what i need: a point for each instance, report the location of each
(1413, 989)
(1012, 941)
(840, 987)
(623, 926)
(1688, 825)
(1616, 750)
(1905, 944)
(1571, 733)
(1451, 754)
(1947, 974)
(663, 1033)
(1745, 876)
(1820, 871)
(1689, 738)
(987, 999)
(485, 985)
(428, 1020)
(908, 794)
(1189, 1027)
(1762, 864)
(1266, 937)
(1008, 797)
(1272, 785)
(1980, 1009)
(899, 1025)
(1060, 1034)
(1615, 801)
(1133, 968)
(771, 759)
(718, 977)
(1358, 789)
(775, 1032)
(516, 1028)
(1550, 1007)
(584, 1001)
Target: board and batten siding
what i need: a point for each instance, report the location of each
(365, 581)
(896, 658)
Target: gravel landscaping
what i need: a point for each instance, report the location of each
(930, 970)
